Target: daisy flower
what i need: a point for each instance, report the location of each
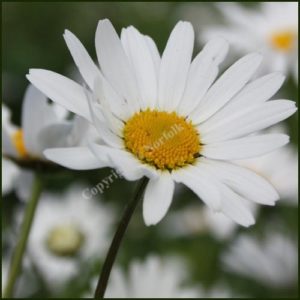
(273, 261)
(166, 118)
(66, 233)
(157, 277)
(41, 127)
(271, 29)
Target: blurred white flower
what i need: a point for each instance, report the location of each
(43, 125)
(156, 277)
(273, 261)
(26, 284)
(194, 220)
(281, 169)
(271, 28)
(68, 229)
(9, 174)
(138, 98)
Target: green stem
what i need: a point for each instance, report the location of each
(115, 244)
(16, 262)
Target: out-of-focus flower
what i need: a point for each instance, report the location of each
(26, 284)
(156, 278)
(194, 220)
(43, 125)
(272, 29)
(162, 117)
(68, 229)
(273, 261)
(280, 167)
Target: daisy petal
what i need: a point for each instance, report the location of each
(157, 199)
(114, 63)
(175, 65)
(61, 90)
(130, 167)
(248, 120)
(257, 91)
(140, 56)
(201, 183)
(243, 181)
(8, 147)
(202, 73)
(33, 120)
(76, 158)
(227, 86)
(82, 59)
(154, 53)
(245, 147)
(233, 207)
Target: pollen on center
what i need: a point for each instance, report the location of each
(283, 41)
(18, 142)
(162, 139)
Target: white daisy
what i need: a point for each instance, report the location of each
(67, 233)
(41, 127)
(157, 277)
(271, 29)
(166, 118)
(273, 261)
(27, 282)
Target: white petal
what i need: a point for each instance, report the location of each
(202, 73)
(227, 86)
(245, 147)
(248, 120)
(82, 59)
(37, 113)
(8, 147)
(76, 158)
(157, 199)
(61, 90)
(244, 181)
(130, 167)
(23, 185)
(104, 130)
(200, 183)
(54, 135)
(143, 66)
(257, 91)
(233, 207)
(175, 65)
(154, 53)
(105, 94)
(10, 171)
(114, 63)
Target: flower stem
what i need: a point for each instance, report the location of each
(16, 261)
(115, 244)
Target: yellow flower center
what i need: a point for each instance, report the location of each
(164, 140)
(283, 40)
(18, 141)
(65, 240)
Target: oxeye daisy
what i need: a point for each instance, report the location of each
(68, 230)
(43, 125)
(272, 28)
(272, 261)
(158, 277)
(168, 118)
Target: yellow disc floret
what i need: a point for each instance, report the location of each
(64, 240)
(162, 139)
(283, 40)
(18, 141)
